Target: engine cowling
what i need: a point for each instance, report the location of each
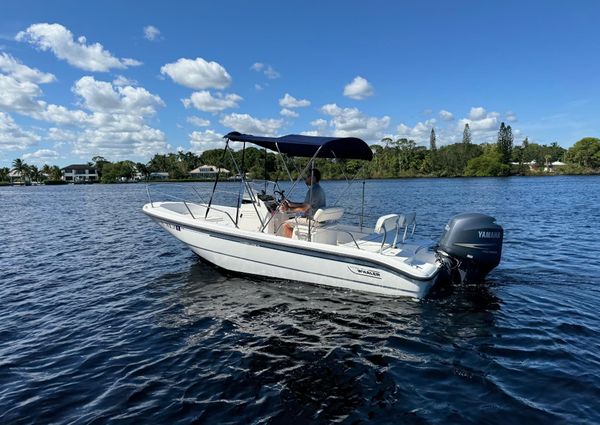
(474, 241)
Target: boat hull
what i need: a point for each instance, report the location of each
(281, 261)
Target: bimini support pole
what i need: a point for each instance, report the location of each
(247, 187)
(240, 196)
(216, 178)
(362, 206)
(310, 197)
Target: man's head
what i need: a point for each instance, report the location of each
(314, 178)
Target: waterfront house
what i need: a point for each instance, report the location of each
(15, 177)
(79, 173)
(550, 167)
(207, 172)
(159, 175)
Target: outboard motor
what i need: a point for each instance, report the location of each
(472, 244)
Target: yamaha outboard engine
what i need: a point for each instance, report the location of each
(472, 244)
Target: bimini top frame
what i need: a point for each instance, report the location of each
(299, 146)
(309, 146)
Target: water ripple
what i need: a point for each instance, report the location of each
(105, 319)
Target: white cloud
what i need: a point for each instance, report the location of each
(205, 101)
(511, 116)
(151, 33)
(484, 125)
(271, 73)
(19, 89)
(124, 81)
(10, 65)
(120, 143)
(350, 122)
(477, 113)
(59, 115)
(41, 155)
(18, 96)
(78, 53)
(113, 125)
(197, 73)
(258, 87)
(319, 123)
(204, 140)
(268, 70)
(61, 135)
(200, 122)
(358, 89)
(446, 115)
(311, 133)
(116, 126)
(13, 137)
(101, 96)
(245, 123)
(419, 133)
(289, 101)
(288, 113)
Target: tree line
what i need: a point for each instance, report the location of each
(391, 159)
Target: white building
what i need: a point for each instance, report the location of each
(79, 173)
(550, 167)
(207, 172)
(159, 175)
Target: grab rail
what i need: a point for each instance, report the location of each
(185, 202)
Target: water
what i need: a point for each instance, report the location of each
(104, 318)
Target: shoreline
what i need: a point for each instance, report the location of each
(173, 181)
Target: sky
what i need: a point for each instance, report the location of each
(129, 79)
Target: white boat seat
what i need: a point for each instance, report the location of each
(389, 222)
(317, 234)
(328, 214)
(385, 223)
(407, 220)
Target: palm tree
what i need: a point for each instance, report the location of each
(46, 172)
(55, 173)
(143, 170)
(34, 173)
(20, 167)
(4, 171)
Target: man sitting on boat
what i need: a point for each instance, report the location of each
(315, 199)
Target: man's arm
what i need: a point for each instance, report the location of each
(295, 206)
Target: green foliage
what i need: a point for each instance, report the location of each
(452, 159)
(117, 171)
(391, 159)
(432, 141)
(488, 164)
(466, 135)
(505, 143)
(4, 173)
(585, 153)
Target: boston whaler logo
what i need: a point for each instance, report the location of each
(489, 235)
(365, 272)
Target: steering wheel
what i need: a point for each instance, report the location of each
(281, 195)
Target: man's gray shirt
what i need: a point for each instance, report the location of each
(317, 200)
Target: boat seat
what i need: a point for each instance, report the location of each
(405, 221)
(389, 222)
(328, 214)
(317, 233)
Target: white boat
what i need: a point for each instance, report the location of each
(386, 259)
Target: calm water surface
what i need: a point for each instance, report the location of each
(104, 318)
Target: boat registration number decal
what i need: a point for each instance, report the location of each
(172, 226)
(363, 271)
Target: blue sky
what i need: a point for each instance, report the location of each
(129, 79)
